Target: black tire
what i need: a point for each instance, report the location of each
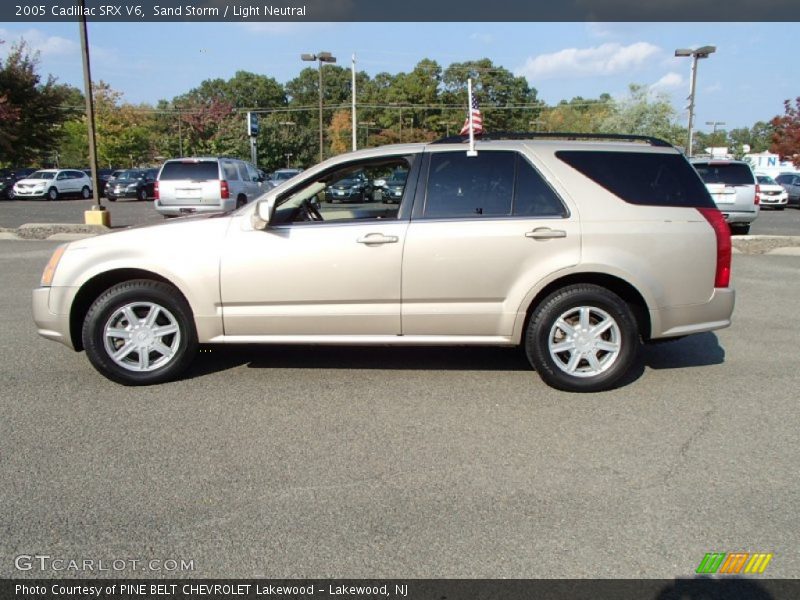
(740, 228)
(240, 202)
(597, 300)
(174, 311)
(111, 199)
(779, 207)
(86, 193)
(52, 194)
(142, 194)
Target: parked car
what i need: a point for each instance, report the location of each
(354, 188)
(772, 193)
(205, 184)
(278, 177)
(734, 188)
(791, 183)
(391, 188)
(577, 250)
(103, 177)
(6, 184)
(53, 184)
(132, 183)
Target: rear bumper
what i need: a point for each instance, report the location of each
(694, 318)
(739, 216)
(50, 325)
(178, 210)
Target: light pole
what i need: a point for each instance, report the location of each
(714, 125)
(702, 52)
(320, 57)
(288, 156)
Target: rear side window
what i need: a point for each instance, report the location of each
(727, 173)
(642, 178)
(492, 184)
(195, 170)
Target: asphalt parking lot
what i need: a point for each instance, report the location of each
(131, 212)
(381, 462)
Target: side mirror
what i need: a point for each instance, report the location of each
(263, 212)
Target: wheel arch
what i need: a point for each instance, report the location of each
(95, 286)
(619, 286)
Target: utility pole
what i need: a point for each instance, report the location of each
(355, 132)
(98, 214)
(320, 57)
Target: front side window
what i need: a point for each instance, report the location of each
(344, 193)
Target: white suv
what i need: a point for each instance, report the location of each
(205, 184)
(578, 250)
(53, 184)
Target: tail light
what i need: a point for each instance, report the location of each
(224, 191)
(722, 277)
(155, 191)
(758, 194)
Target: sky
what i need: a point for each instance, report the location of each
(746, 80)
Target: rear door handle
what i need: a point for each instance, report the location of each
(374, 239)
(545, 233)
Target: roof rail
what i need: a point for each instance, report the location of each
(516, 135)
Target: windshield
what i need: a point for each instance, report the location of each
(283, 175)
(130, 175)
(42, 175)
(766, 180)
(727, 173)
(194, 170)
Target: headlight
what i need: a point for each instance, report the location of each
(52, 264)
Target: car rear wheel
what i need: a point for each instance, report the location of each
(240, 202)
(142, 194)
(140, 332)
(86, 193)
(52, 194)
(582, 338)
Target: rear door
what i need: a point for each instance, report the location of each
(482, 230)
(189, 182)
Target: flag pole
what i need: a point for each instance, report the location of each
(471, 151)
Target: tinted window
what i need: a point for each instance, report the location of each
(728, 173)
(642, 177)
(197, 170)
(533, 197)
(463, 186)
(765, 180)
(41, 175)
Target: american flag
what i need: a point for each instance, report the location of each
(477, 120)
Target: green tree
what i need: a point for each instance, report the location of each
(644, 113)
(33, 109)
(507, 102)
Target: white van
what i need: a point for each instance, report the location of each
(205, 184)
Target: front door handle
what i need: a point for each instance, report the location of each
(375, 239)
(545, 233)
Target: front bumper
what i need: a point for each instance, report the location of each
(18, 193)
(782, 200)
(52, 325)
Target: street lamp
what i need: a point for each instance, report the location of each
(320, 57)
(702, 52)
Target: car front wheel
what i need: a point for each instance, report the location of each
(86, 193)
(582, 338)
(52, 194)
(140, 332)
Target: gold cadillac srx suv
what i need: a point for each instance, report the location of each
(579, 248)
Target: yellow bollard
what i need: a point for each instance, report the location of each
(97, 215)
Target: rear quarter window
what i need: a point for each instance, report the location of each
(643, 178)
(195, 170)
